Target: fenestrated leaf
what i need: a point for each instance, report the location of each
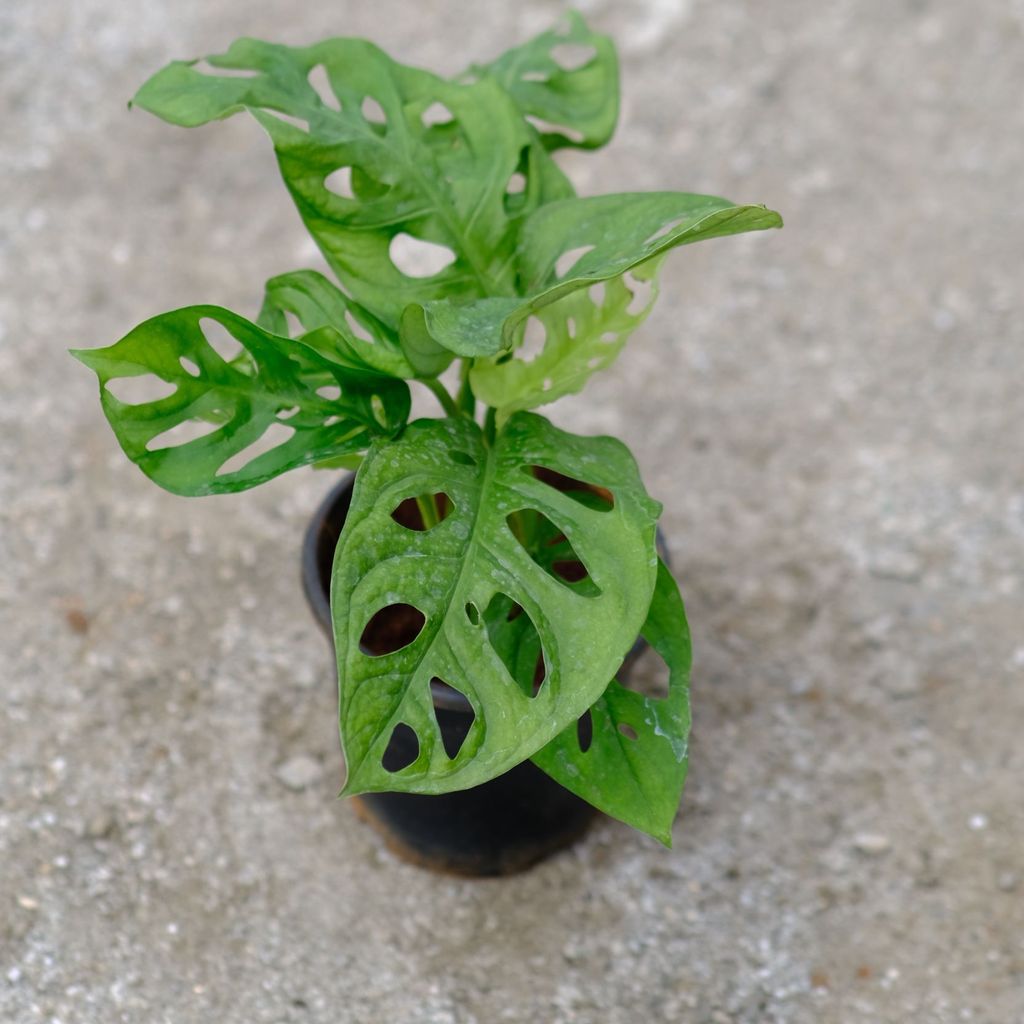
(317, 302)
(451, 572)
(635, 766)
(612, 234)
(271, 385)
(582, 335)
(442, 183)
(577, 105)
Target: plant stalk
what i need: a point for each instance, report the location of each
(442, 395)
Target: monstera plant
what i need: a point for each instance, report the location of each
(383, 160)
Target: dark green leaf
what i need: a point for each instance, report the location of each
(357, 336)
(453, 571)
(267, 394)
(635, 766)
(445, 184)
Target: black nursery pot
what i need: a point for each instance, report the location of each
(498, 828)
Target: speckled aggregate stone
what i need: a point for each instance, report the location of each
(832, 414)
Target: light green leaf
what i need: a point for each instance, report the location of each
(568, 79)
(454, 571)
(447, 183)
(220, 404)
(582, 334)
(608, 235)
(356, 337)
(635, 766)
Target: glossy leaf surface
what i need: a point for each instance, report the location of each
(601, 237)
(453, 571)
(428, 162)
(635, 765)
(356, 336)
(272, 388)
(582, 334)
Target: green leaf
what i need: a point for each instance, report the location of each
(358, 337)
(578, 104)
(609, 234)
(267, 394)
(582, 334)
(448, 184)
(635, 766)
(454, 571)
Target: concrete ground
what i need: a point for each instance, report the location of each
(832, 415)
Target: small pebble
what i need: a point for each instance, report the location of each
(1008, 882)
(100, 825)
(298, 772)
(977, 822)
(871, 844)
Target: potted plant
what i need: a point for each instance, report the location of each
(489, 573)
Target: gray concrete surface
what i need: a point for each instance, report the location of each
(832, 414)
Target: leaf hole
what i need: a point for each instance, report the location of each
(573, 56)
(380, 413)
(140, 390)
(340, 182)
(330, 392)
(182, 433)
(517, 643)
(293, 325)
(585, 731)
(372, 111)
(220, 339)
(472, 613)
(191, 368)
(594, 362)
(391, 629)
(628, 731)
(287, 412)
(596, 293)
(456, 729)
(415, 257)
(409, 512)
(357, 328)
(642, 291)
(204, 67)
(549, 128)
(533, 76)
(609, 338)
(461, 458)
(320, 81)
(569, 259)
(436, 113)
(273, 437)
(648, 674)
(589, 495)
(551, 550)
(402, 750)
(290, 119)
(664, 230)
(534, 338)
(516, 184)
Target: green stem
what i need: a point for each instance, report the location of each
(490, 425)
(428, 510)
(466, 400)
(442, 395)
